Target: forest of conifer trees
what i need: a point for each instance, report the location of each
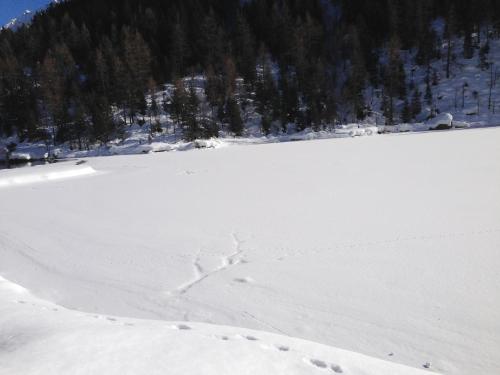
(65, 76)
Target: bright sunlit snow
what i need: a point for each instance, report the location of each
(386, 246)
(42, 338)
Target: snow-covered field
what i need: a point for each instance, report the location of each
(386, 246)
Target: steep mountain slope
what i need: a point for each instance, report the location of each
(83, 70)
(26, 17)
(23, 19)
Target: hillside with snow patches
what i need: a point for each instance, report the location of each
(223, 261)
(471, 95)
(472, 92)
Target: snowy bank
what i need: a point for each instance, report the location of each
(138, 140)
(38, 337)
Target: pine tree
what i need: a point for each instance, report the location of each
(357, 78)
(426, 36)
(387, 110)
(416, 104)
(406, 114)
(468, 47)
(244, 49)
(266, 122)
(428, 94)
(179, 50)
(52, 87)
(484, 51)
(395, 79)
(153, 109)
(102, 119)
(289, 99)
(211, 44)
(101, 73)
(137, 59)
(80, 123)
(234, 117)
(121, 86)
(282, 34)
(435, 77)
(449, 34)
(191, 125)
(179, 103)
(267, 93)
(229, 76)
(142, 105)
(215, 93)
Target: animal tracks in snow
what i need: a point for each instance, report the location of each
(336, 368)
(324, 366)
(248, 338)
(243, 280)
(317, 363)
(200, 273)
(182, 327)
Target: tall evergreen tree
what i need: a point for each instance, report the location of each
(267, 94)
(416, 104)
(357, 77)
(449, 34)
(234, 117)
(395, 78)
(468, 47)
(179, 50)
(244, 49)
(179, 104)
(190, 121)
(212, 44)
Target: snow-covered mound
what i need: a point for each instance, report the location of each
(38, 337)
(61, 172)
(385, 246)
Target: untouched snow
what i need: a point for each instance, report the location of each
(386, 246)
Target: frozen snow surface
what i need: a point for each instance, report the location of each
(387, 246)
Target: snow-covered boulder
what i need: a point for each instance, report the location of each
(461, 124)
(370, 130)
(441, 121)
(21, 156)
(355, 130)
(403, 128)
